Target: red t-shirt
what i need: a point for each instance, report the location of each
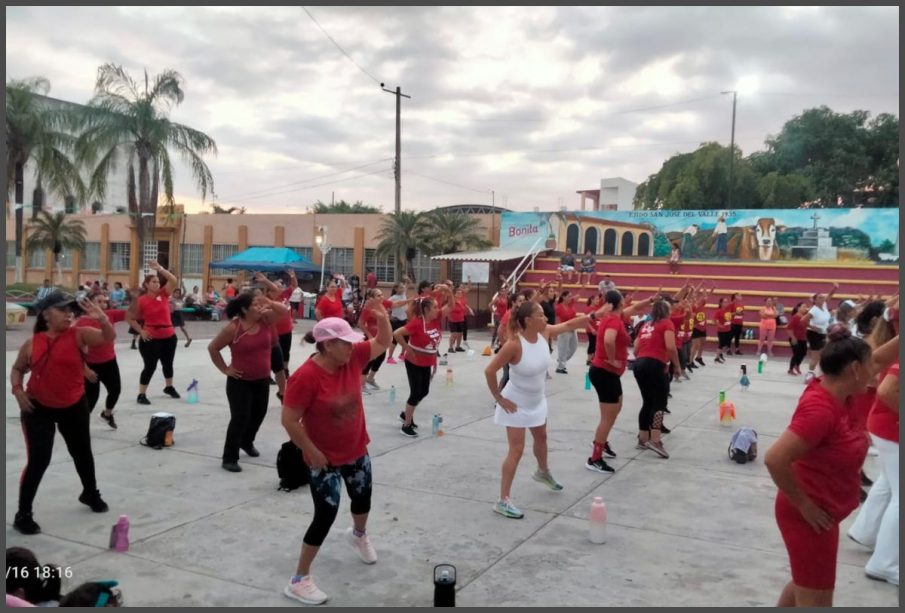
(830, 472)
(679, 322)
(426, 336)
(798, 328)
(500, 306)
(250, 352)
(155, 312)
(738, 312)
(623, 340)
(723, 320)
(883, 421)
(368, 322)
(565, 312)
(652, 340)
(700, 317)
(457, 310)
(331, 407)
(684, 333)
(230, 291)
(57, 378)
(371, 280)
(328, 307)
(101, 353)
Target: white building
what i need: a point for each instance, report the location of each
(615, 194)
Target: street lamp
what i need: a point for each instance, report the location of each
(731, 146)
(321, 240)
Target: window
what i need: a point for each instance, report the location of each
(609, 242)
(119, 256)
(644, 244)
(66, 259)
(92, 259)
(192, 259)
(305, 252)
(425, 268)
(10, 254)
(340, 260)
(221, 252)
(572, 237)
(628, 244)
(384, 268)
(36, 258)
(455, 271)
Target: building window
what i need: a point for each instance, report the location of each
(425, 269)
(644, 244)
(92, 256)
(628, 244)
(192, 259)
(10, 254)
(455, 271)
(221, 252)
(384, 268)
(590, 240)
(572, 237)
(36, 258)
(609, 242)
(340, 260)
(66, 259)
(305, 252)
(119, 257)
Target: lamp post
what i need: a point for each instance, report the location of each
(731, 146)
(324, 246)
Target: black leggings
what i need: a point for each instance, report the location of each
(247, 408)
(653, 383)
(108, 374)
(325, 490)
(736, 334)
(285, 346)
(799, 351)
(419, 382)
(39, 427)
(154, 350)
(374, 365)
(592, 345)
(395, 324)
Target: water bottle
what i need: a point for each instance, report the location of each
(392, 393)
(193, 392)
(761, 362)
(435, 425)
(119, 534)
(722, 396)
(449, 377)
(587, 380)
(444, 585)
(597, 521)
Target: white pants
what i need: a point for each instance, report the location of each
(566, 346)
(877, 524)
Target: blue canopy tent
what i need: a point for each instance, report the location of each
(268, 259)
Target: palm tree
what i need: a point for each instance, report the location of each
(401, 235)
(55, 232)
(124, 120)
(37, 133)
(450, 232)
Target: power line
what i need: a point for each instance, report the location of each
(300, 189)
(663, 106)
(343, 51)
(459, 185)
(299, 166)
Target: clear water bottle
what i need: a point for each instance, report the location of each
(436, 422)
(392, 393)
(119, 534)
(192, 396)
(597, 521)
(449, 377)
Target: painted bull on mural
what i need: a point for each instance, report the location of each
(759, 241)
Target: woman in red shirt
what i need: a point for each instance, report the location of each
(723, 319)
(566, 342)
(55, 398)
(367, 321)
(607, 367)
(100, 362)
(816, 465)
(324, 416)
(330, 303)
(283, 326)
(158, 337)
(458, 310)
(699, 331)
(500, 305)
(798, 337)
(655, 348)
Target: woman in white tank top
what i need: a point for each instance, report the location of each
(522, 403)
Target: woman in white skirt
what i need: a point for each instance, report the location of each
(522, 403)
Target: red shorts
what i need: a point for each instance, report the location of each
(812, 555)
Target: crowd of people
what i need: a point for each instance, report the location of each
(661, 338)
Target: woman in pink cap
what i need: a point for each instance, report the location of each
(324, 416)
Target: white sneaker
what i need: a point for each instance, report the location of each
(809, 377)
(305, 592)
(362, 544)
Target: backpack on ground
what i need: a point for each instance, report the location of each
(160, 431)
(291, 467)
(743, 446)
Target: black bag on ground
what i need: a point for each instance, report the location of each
(291, 467)
(160, 431)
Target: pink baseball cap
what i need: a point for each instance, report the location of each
(331, 328)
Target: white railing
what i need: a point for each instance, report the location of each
(516, 275)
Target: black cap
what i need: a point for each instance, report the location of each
(55, 299)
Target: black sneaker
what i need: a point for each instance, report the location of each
(251, 451)
(408, 431)
(863, 494)
(865, 480)
(94, 500)
(402, 417)
(738, 352)
(273, 381)
(664, 430)
(26, 524)
(108, 417)
(460, 350)
(599, 466)
(232, 467)
(142, 399)
(699, 361)
(667, 411)
(562, 371)
(608, 451)
(171, 392)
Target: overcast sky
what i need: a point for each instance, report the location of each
(533, 103)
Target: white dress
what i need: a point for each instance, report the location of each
(527, 387)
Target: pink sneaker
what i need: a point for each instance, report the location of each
(402, 357)
(392, 361)
(362, 544)
(305, 592)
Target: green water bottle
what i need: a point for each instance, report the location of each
(587, 380)
(722, 396)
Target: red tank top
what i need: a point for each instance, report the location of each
(250, 352)
(101, 353)
(155, 312)
(285, 324)
(57, 380)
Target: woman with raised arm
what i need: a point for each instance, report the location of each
(818, 320)
(100, 365)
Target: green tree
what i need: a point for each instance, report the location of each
(56, 232)
(447, 231)
(778, 191)
(342, 206)
(219, 210)
(402, 235)
(126, 120)
(38, 134)
(881, 187)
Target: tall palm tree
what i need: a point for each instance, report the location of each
(401, 235)
(450, 232)
(37, 134)
(126, 120)
(56, 232)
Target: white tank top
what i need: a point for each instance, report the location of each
(529, 376)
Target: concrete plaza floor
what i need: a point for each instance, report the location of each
(693, 530)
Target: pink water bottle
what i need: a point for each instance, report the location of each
(597, 521)
(119, 535)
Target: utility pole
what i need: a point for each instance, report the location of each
(398, 166)
(731, 147)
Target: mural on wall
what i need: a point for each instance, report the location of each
(851, 235)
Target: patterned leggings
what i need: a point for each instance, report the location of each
(326, 485)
